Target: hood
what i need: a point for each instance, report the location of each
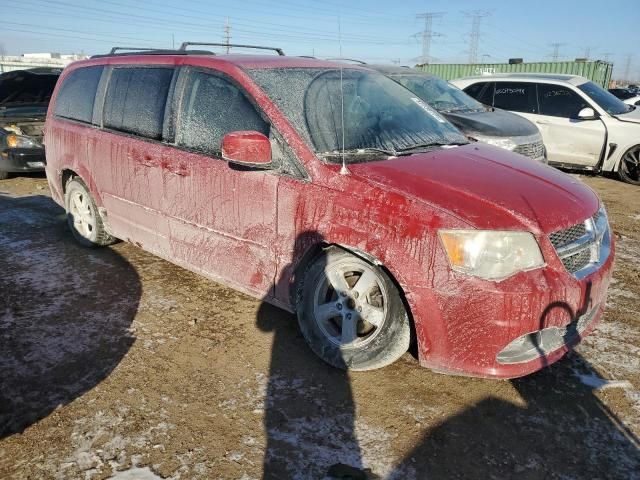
(27, 87)
(496, 123)
(487, 187)
(632, 116)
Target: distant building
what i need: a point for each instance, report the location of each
(33, 60)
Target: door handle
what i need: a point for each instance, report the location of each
(180, 170)
(542, 122)
(148, 161)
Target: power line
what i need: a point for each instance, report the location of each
(428, 33)
(474, 36)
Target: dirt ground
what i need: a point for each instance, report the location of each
(116, 364)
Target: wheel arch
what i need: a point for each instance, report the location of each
(317, 248)
(84, 174)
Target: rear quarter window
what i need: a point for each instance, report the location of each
(78, 93)
(136, 100)
(483, 92)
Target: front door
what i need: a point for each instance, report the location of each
(569, 140)
(222, 219)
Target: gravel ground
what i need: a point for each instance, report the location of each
(116, 364)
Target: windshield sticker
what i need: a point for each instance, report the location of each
(428, 109)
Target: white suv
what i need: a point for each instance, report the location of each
(583, 126)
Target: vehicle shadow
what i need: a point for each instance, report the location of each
(309, 411)
(65, 312)
(559, 429)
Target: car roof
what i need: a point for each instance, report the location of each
(396, 70)
(244, 61)
(530, 77)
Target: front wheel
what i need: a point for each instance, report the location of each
(629, 169)
(83, 217)
(351, 313)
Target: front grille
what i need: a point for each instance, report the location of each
(577, 261)
(533, 150)
(582, 247)
(565, 237)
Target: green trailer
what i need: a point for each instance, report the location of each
(597, 71)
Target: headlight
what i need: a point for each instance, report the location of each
(502, 142)
(489, 254)
(20, 141)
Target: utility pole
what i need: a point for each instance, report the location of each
(556, 50)
(627, 68)
(474, 37)
(427, 34)
(227, 35)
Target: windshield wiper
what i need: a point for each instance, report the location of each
(418, 146)
(361, 151)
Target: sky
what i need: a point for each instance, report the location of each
(373, 31)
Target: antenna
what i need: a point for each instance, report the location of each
(343, 169)
(474, 36)
(427, 34)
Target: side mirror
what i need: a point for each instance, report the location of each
(248, 148)
(587, 114)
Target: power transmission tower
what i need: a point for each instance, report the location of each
(227, 35)
(556, 50)
(474, 37)
(587, 51)
(427, 34)
(606, 56)
(627, 68)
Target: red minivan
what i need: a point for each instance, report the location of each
(333, 192)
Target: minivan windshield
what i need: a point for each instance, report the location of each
(381, 118)
(606, 100)
(439, 94)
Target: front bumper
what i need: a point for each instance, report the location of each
(17, 160)
(466, 326)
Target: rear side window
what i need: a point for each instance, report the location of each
(136, 99)
(557, 101)
(212, 107)
(78, 93)
(516, 96)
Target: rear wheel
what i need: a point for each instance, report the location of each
(83, 217)
(629, 169)
(351, 313)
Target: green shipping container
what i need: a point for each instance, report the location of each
(598, 71)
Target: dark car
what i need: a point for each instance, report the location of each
(478, 122)
(24, 98)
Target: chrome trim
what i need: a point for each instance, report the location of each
(597, 240)
(540, 343)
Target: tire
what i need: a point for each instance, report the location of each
(629, 168)
(4, 175)
(379, 331)
(83, 217)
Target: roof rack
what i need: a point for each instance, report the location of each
(149, 51)
(183, 47)
(342, 59)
